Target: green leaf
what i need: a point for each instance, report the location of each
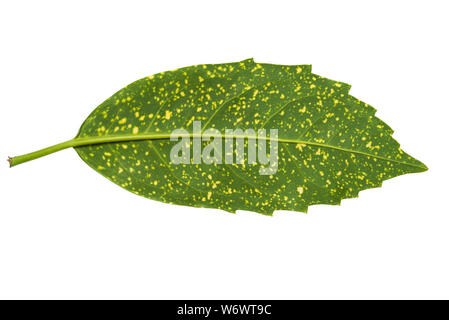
(330, 145)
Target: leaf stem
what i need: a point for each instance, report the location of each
(40, 153)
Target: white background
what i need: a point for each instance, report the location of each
(67, 232)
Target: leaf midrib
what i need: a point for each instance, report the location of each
(77, 142)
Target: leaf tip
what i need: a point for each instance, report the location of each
(422, 167)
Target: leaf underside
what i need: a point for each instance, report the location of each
(330, 144)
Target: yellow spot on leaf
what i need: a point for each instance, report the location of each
(168, 115)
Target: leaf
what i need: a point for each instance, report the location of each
(330, 145)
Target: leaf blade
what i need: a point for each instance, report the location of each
(331, 145)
